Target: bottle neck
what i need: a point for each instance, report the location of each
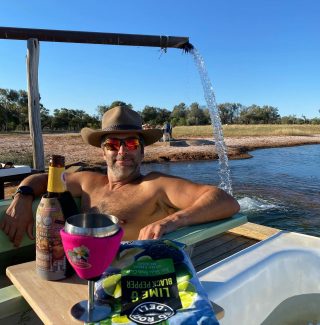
(56, 181)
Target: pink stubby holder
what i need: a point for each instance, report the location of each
(90, 256)
(91, 241)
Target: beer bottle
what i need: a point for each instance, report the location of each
(51, 261)
(56, 184)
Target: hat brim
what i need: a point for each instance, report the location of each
(93, 137)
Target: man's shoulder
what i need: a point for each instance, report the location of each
(88, 173)
(157, 176)
(84, 175)
(154, 174)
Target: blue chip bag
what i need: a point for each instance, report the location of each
(153, 282)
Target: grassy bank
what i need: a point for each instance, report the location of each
(247, 130)
(17, 158)
(236, 130)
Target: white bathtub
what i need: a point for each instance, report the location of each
(279, 278)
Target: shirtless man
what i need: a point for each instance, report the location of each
(147, 206)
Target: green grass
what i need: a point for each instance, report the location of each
(246, 130)
(18, 159)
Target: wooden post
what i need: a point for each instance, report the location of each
(33, 104)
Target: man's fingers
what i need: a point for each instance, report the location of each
(30, 231)
(151, 232)
(16, 222)
(144, 234)
(2, 224)
(18, 237)
(157, 232)
(156, 235)
(5, 224)
(12, 232)
(5, 228)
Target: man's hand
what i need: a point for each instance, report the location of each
(18, 219)
(157, 229)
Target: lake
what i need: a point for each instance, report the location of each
(278, 187)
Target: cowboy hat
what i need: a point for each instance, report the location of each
(120, 120)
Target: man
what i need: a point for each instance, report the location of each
(147, 206)
(167, 132)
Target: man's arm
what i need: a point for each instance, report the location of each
(195, 203)
(18, 218)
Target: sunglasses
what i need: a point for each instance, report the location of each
(114, 144)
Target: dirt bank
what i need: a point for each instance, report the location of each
(73, 148)
(75, 151)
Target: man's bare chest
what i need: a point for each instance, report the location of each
(126, 204)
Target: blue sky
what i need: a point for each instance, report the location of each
(264, 52)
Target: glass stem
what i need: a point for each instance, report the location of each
(91, 295)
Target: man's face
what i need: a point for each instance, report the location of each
(124, 159)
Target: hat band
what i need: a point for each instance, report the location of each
(122, 127)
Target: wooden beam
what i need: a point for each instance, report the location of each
(33, 104)
(95, 38)
(254, 231)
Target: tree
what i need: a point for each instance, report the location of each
(179, 114)
(14, 109)
(3, 118)
(101, 109)
(22, 105)
(290, 119)
(270, 115)
(315, 120)
(255, 114)
(9, 109)
(229, 112)
(46, 119)
(155, 115)
(149, 115)
(164, 116)
(196, 116)
(73, 120)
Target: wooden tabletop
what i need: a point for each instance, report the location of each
(51, 300)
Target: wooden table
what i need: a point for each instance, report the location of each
(50, 300)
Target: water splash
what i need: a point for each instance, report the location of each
(224, 170)
(248, 204)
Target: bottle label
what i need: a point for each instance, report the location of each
(56, 181)
(50, 256)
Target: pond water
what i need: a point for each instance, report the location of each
(278, 187)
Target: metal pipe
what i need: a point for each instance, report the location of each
(91, 296)
(48, 35)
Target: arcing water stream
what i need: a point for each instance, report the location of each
(224, 170)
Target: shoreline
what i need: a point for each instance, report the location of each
(182, 149)
(204, 149)
(187, 149)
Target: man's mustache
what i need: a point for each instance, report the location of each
(122, 158)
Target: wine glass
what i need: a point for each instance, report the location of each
(90, 242)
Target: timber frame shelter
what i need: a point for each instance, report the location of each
(33, 36)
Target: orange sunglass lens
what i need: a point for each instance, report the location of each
(115, 144)
(112, 144)
(132, 144)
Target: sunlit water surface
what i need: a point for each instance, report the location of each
(278, 187)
